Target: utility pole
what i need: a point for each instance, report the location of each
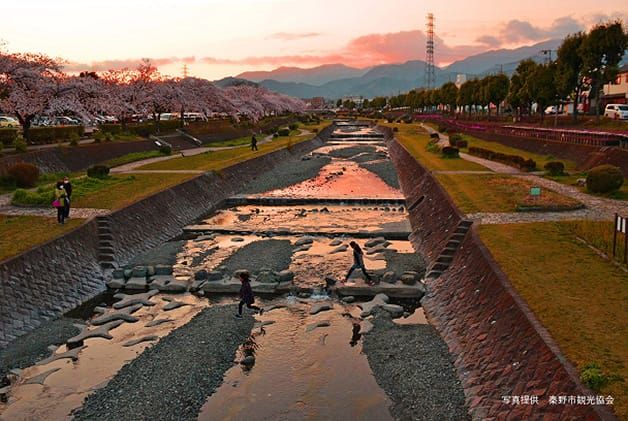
(430, 74)
(185, 71)
(548, 55)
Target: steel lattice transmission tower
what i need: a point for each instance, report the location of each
(430, 73)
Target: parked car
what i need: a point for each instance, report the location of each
(8, 122)
(616, 111)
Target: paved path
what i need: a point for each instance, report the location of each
(82, 213)
(596, 207)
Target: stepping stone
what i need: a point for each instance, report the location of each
(71, 354)
(377, 249)
(335, 243)
(339, 249)
(365, 327)
(100, 310)
(175, 287)
(348, 299)
(394, 309)
(410, 278)
(249, 360)
(304, 240)
(285, 276)
(368, 307)
(375, 241)
(237, 239)
(41, 378)
(99, 332)
(134, 342)
(302, 248)
(158, 322)
(389, 277)
(322, 323)
(129, 300)
(116, 283)
(174, 304)
(161, 270)
(160, 282)
(318, 307)
(124, 315)
(136, 284)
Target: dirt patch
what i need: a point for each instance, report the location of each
(271, 254)
(384, 170)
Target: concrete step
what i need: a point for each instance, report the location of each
(440, 266)
(105, 237)
(106, 250)
(444, 259)
(106, 257)
(106, 243)
(457, 237)
(449, 251)
(108, 265)
(461, 230)
(465, 223)
(433, 274)
(453, 244)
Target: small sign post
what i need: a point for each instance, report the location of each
(621, 225)
(535, 193)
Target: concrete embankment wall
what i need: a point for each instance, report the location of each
(499, 347)
(71, 159)
(53, 278)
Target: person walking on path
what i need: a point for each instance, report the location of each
(253, 143)
(358, 262)
(246, 295)
(68, 191)
(60, 202)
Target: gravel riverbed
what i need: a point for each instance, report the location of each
(171, 380)
(412, 364)
(292, 171)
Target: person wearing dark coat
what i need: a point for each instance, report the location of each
(254, 143)
(358, 262)
(246, 295)
(68, 191)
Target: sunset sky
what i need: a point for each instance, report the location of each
(218, 38)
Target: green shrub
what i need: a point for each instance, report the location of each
(454, 139)
(98, 171)
(390, 120)
(165, 149)
(593, 378)
(461, 144)
(315, 130)
(109, 137)
(395, 129)
(40, 197)
(555, 168)
(293, 126)
(99, 137)
(24, 174)
(513, 160)
(604, 179)
(442, 128)
(450, 152)
(74, 139)
(283, 132)
(275, 135)
(8, 136)
(42, 135)
(20, 145)
(110, 128)
(7, 182)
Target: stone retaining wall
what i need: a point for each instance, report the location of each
(55, 277)
(71, 159)
(499, 347)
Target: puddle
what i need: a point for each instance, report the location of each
(65, 389)
(320, 374)
(310, 218)
(340, 178)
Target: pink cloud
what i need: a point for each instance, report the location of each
(292, 36)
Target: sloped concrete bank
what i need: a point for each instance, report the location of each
(500, 348)
(55, 277)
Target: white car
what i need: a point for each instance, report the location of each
(10, 122)
(616, 111)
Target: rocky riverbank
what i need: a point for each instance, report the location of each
(171, 380)
(412, 364)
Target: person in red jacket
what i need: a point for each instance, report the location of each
(246, 295)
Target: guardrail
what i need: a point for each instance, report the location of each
(576, 137)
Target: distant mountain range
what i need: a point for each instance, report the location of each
(337, 80)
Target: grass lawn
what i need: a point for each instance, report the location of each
(416, 139)
(222, 159)
(131, 157)
(497, 193)
(540, 160)
(572, 180)
(113, 192)
(19, 233)
(578, 296)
